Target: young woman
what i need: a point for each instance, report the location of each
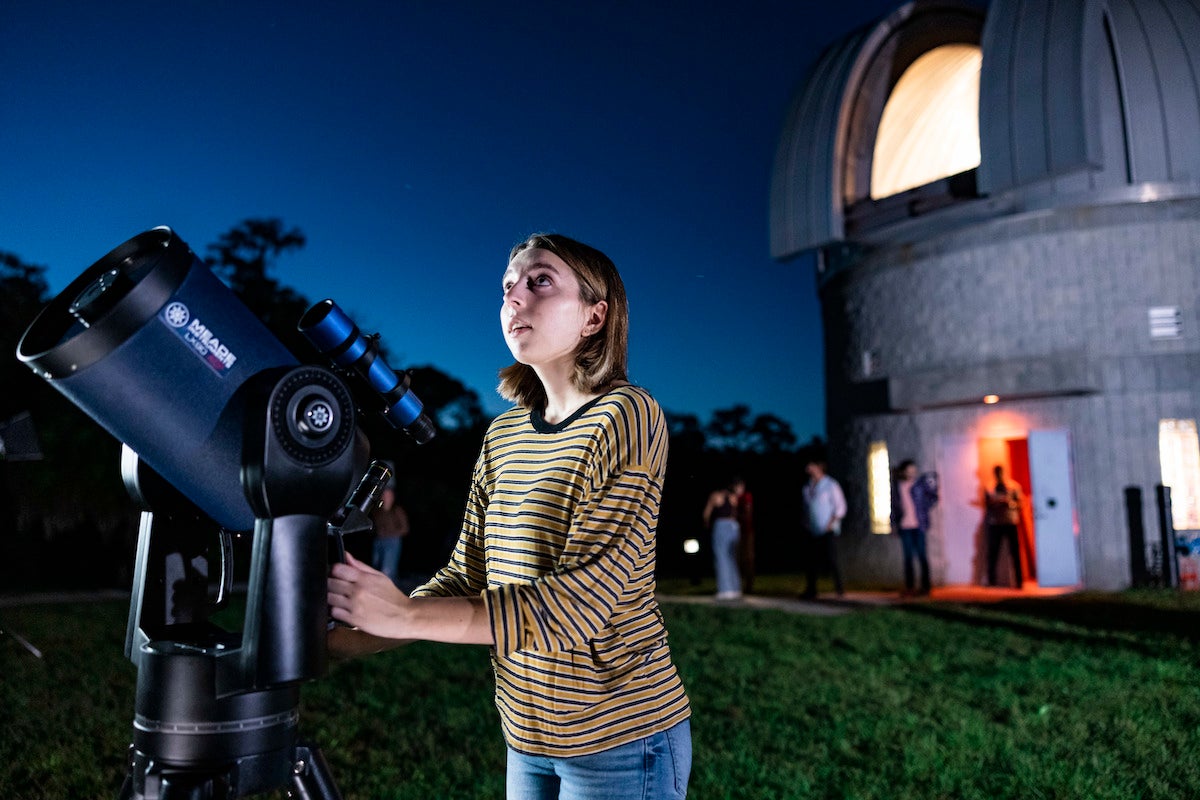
(554, 567)
(721, 518)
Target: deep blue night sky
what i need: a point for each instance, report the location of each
(414, 142)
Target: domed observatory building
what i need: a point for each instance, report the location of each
(1003, 202)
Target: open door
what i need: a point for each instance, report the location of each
(1053, 508)
(959, 510)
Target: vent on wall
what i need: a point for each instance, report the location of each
(1165, 322)
(870, 361)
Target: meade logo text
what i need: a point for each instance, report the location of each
(200, 337)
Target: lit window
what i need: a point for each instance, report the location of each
(1179, 457)
(930, 126)
(879, 487)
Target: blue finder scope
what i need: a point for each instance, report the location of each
(335, 336)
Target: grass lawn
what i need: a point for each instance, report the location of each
(1087, 696)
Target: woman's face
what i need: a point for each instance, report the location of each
(543, 317)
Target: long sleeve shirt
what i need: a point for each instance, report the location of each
(919, 495)
(558, 537)
(826, 505)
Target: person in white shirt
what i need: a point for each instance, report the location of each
(826, 505)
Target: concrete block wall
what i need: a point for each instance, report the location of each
(1050, 308)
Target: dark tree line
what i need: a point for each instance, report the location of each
(67, 522)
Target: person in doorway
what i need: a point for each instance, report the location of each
(554, 565)
(1002, 515)
(721, 519)
(826, 506)
(913, 496)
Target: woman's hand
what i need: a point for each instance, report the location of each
(366, 599)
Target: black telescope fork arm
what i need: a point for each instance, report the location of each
(216, 713)
(217, 716)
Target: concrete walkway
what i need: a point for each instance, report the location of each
(831, 605)
(824, 605)
(819, 608)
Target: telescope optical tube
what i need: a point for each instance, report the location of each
(153, 347)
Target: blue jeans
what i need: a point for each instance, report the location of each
(654, 768)
(385, 556)
(822, 555)
(912, 541)
(725, 535)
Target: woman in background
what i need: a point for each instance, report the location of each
(721, 518)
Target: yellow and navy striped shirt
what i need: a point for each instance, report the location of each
(558, 536)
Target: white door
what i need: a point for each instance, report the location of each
(958, 508)
(1053, 508)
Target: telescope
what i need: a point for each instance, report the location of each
(224, 431)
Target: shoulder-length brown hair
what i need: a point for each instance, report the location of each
(602, 358)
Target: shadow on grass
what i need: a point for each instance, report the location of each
(1137, 622)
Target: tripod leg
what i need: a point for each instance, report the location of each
(147, 780)
(312, 779)
(128, 789)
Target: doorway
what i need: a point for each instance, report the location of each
(1011, 455)
(1039, 461)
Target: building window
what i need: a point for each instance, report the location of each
(879, 487)
(1165, 322)
(930, 125)
(1179, 457)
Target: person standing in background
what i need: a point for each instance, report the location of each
(391, 526)
(721, 518)
(912, 498)
(826, 505)
(1002, 508)
(745, 518)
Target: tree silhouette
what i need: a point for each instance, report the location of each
(66, 520)
(448, 402)
(771, 434)
(22, 292)
(729, 428)
(734, 430)
(243, 258)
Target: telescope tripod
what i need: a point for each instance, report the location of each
(310, 778)
(216, 712)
